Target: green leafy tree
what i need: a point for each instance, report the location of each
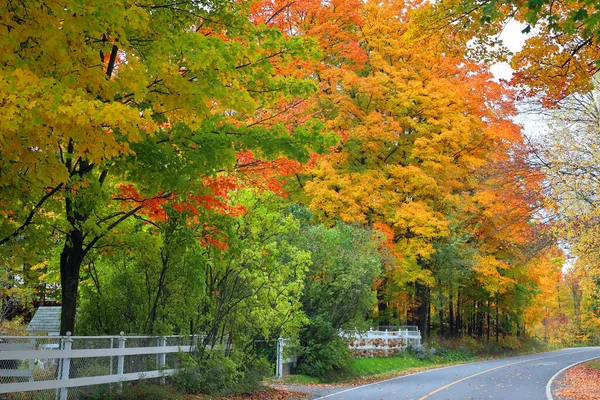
(233, 280)
(102, 98)
(338, 292)
(252, 284)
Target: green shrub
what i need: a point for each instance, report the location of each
(140, 390)
(216, 375)
(533, 345)
(421, 352)
(453, 356)
(220, 375)
(511, 343)
(322, 351)
(253, 373)
(470, 346)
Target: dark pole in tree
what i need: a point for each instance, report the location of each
(451, 315)
(458, 325)
(488, 320)
(422, 310)
(497, 322)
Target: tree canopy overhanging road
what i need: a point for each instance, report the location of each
(523, 377)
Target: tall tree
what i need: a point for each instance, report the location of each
(420, 128)
(98, 97)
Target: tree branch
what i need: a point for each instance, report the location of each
(112, 61)
(31, 214)
(110, 227)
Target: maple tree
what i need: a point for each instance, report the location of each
(427, 157)
(559, 58)
(153, 95)
(556, 67)
(418, 130)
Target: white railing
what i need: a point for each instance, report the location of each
(382, 343)
(52, 363)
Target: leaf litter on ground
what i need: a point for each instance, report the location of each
(581, 382)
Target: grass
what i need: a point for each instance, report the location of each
(378, 367)
(595, 364)
(448, 353)
(299, 379)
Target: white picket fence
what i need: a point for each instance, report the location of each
(382, 343)
(54, 365)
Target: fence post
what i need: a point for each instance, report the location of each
(387, 343)
(111, 357)
(65, 366)
(158, 344)
(162, 357)
(121, 358)
(279, 367)
(32, 361)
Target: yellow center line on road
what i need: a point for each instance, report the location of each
(488, 370)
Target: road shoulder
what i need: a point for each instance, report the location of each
(314, 391)
(581, 381)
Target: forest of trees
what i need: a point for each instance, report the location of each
(256, 169)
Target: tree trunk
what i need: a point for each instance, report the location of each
(71, 259)
(74, 250)
(451, 315)
(470, 320)
(429, 314)
(488, 321)
(421, 312)
(149, 328)
(441, 318)
(382, 303)
(480, 315)
(497, 323)
(458, 326)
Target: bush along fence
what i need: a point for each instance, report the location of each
(69, 367)
(382, 343)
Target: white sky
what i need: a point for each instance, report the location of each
(533, 125)
(513, 39)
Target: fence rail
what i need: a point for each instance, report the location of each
(51, 365)
(64, 367)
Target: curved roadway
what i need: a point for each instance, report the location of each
(515, 378)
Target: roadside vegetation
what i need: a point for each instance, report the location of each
(220, 379)
(367, 369)
(436, 354)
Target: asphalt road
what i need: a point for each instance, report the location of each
(515, 378)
